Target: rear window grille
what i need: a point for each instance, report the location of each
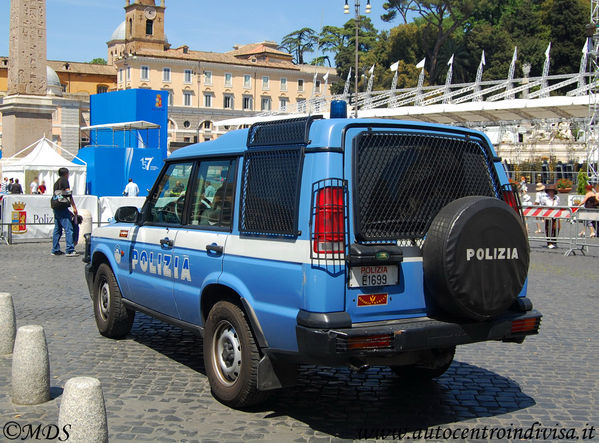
(270, 192)
(403, 180)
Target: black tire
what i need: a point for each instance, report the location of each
(113, 318)
(475, 258)
(231, 357)
(442, 359)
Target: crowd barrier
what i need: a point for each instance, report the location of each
(29, 217)
(571, 220)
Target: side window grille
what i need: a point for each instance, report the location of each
(270, 192)
(402, 180)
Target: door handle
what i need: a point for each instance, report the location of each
(166, 243)
(214, 248)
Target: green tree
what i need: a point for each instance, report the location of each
(299, 42)
(441, 18)
(98, 61)
(566, 20)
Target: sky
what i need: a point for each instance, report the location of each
(79, 29)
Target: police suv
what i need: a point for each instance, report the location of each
(339, 242)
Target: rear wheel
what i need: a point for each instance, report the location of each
(436, 367)
(113, 318)
(231, 357)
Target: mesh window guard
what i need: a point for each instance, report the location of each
(402, 180)
(270, 192)
(293, 131)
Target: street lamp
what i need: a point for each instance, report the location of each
(357, 24)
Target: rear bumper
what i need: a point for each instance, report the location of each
(384, 342)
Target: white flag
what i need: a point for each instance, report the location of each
(371, 70)
(585, 48)
(450, 62)
(482, 60)
(548, 51)
(394, 66)
(326, 76)
(420, 64)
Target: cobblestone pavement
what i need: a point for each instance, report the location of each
(156, 389)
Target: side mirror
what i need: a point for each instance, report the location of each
(127, 214)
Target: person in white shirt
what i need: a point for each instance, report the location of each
(131, 190)
(552, 225)
(4, 186)
(33, 187)
(540, 188)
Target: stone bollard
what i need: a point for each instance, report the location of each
(8, 325)
(83, 412)
(30, 367)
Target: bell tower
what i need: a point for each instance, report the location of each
(144, 25)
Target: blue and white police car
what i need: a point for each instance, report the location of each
(341, 242)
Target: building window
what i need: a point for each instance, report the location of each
(149, 27)
(228, 101)
(128, 73)
(101, 89)
(265, 83)
(248, 103)
(283, 104)
(170, 96)
(318, 86)
(145, 73)
(228, 79)
(188, 74)
(187, 98)
(266, 103)
(186, 124)
(208, 78)
(120, 75)
(207, 124)
(166, 74)
(207, 100)
(186, 139)
(301, 105)
(207, 139)
(247, 81)
(300, 85)
(283, 84)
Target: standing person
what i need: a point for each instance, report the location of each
(590, 201)
(34, 186)
(62, 200)
(131, 190)
(540, 188)
(552, 225)
(523, 185)
(42, 188)
(16, 187)
(11, 183)
(4, 186)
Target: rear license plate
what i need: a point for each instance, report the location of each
(361, 276)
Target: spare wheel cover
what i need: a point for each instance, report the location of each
(476, 257)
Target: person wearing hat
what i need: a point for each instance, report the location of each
(540, 188)
(552, 225)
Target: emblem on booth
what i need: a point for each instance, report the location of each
(19, 218)
(158, 101)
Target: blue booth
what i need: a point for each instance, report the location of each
(128, 139)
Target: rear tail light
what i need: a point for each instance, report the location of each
(509, 194)
(329, 221)
(370, 342)
(525, 325)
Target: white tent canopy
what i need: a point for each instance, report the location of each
(43, 162)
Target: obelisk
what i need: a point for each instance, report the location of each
(26, 111)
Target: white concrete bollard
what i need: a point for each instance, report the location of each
(83, 412)
(86, 224)
(8, 324)
(30, 367)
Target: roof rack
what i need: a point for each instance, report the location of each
(293, 131)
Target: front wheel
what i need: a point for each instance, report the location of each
(231, 357)
(439, 363)
(113, 318)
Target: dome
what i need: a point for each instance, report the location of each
(53, 82)
(119, 32)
